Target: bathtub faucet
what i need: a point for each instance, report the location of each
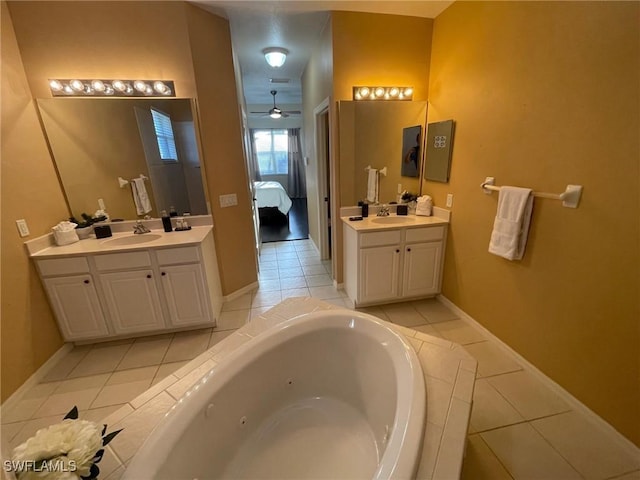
(383, 211)
(139, 227)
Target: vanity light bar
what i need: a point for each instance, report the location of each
(382, 93)
(111, 88)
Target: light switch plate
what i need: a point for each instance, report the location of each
(229, 200)
(22, 227)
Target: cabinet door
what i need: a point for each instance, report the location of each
(133, 301)
(421, 269)
(379, 273)
(75, 303)
(184, 289)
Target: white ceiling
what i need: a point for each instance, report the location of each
(295, 25)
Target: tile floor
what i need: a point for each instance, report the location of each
(519, 429)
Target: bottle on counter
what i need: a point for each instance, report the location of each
(166, 221)
(172, 211)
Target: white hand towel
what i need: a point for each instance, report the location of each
(140, 196)
(511, 225)
(372, 186)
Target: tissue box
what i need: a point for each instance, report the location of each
(65, 238)
(102, 231)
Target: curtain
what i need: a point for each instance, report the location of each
(297, 187)
(254, 157)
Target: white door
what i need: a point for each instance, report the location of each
(184, 289)
(379, 273)
(133, 301)
(75, 302)
(321, 129)
(421, 269)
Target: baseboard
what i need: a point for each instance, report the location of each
(238, 293)
(607, 429)
(37, 376)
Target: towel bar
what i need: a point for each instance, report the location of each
(122, 182)
(570, 197)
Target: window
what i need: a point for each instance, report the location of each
(164, 136)
(272, 151)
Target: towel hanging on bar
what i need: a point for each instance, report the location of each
(511, 225)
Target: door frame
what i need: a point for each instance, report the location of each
(321, 131)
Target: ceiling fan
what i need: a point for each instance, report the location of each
(276, 112)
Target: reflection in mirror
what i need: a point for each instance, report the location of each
(437, 165)
(411, 151)
(371, 133)
(96, 140)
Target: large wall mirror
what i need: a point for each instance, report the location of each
(95, 141)
(372, 133)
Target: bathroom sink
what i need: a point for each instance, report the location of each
(132, 239)
(392, 220)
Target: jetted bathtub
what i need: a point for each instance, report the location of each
(335, 394)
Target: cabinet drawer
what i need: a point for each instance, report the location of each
(63, 266)
(172, 256)
(375, 239)
(424, 234)
(125, 260)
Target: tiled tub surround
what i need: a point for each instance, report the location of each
(448, 370)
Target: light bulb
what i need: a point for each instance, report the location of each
(394, 92)
(364, 91)
(67, 89)
(408, 91)
(98, 85)
(358, 96)
(55, 85)
(148, 90)
(119, 85)
(108, 90)
(77, 85)
(140, 86)
(128, 90)
(379, 91)
(160, 87)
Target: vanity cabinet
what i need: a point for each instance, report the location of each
(130, 293)
(393, 264)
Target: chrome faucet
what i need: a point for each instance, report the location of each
(139, 227)
(383, 211)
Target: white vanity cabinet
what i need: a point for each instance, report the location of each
(115, 294)
(393, 264)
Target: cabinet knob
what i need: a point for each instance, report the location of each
(397, 250)
(87, 281)
(149, 275)
(408, 249)
(163, 273)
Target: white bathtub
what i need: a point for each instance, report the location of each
(334, 394)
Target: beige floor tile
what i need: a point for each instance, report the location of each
(62, 403)
(528, 396)
(438, 396)
(8, 431)
(595, 456)
(188, 345)
(256, 312)
(491, 359)
(267, 264)
(268, 273)
(98, 415)
(295, 292)
(433, 310)
(100, 359)
(319, 280)
(428, 329)
(120, 393)
(490, 409)
(325, 292)
(82, 383)
(286, 254)
(290, 272)
(217, 337)
(310, 260)
(288, 283)
(266, 299)
(66, 364)
(241, 303)
(338, 302)
(232, 320)
(167, 369)
(133, 375)
(459, 331)
(429, 453)
(629, 476)
(480, 463)
(403, 314)
(289, 263)
(375, 311)
(269, 285)
(527, 455)
(145, 352)
(437, 362)
(314, 269)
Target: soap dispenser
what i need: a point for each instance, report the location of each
(166, 221)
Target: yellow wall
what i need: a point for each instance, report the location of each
(374, 49)
(545, 94)
(106, 40)
(30, 190)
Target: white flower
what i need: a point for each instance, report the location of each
(74, 442)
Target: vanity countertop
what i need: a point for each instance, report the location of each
(106, 245)
(374, 223)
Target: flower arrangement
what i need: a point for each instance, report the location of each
(408, 197)
(68, 450)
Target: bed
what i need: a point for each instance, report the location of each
(272, 195)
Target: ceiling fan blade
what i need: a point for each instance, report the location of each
(293, 112)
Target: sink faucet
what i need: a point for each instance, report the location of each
(383, 211)
(139, 227)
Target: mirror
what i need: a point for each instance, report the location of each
(94, 141)
(411, 151)
(437, 165)
(372, 133)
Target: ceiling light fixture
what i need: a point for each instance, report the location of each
(275, 56)
(111, 88)
(382, 93)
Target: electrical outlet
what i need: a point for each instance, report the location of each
(399, 188)
(22, 227)
(449, 200)
(229, 200)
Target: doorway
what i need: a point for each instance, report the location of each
(322, 146)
